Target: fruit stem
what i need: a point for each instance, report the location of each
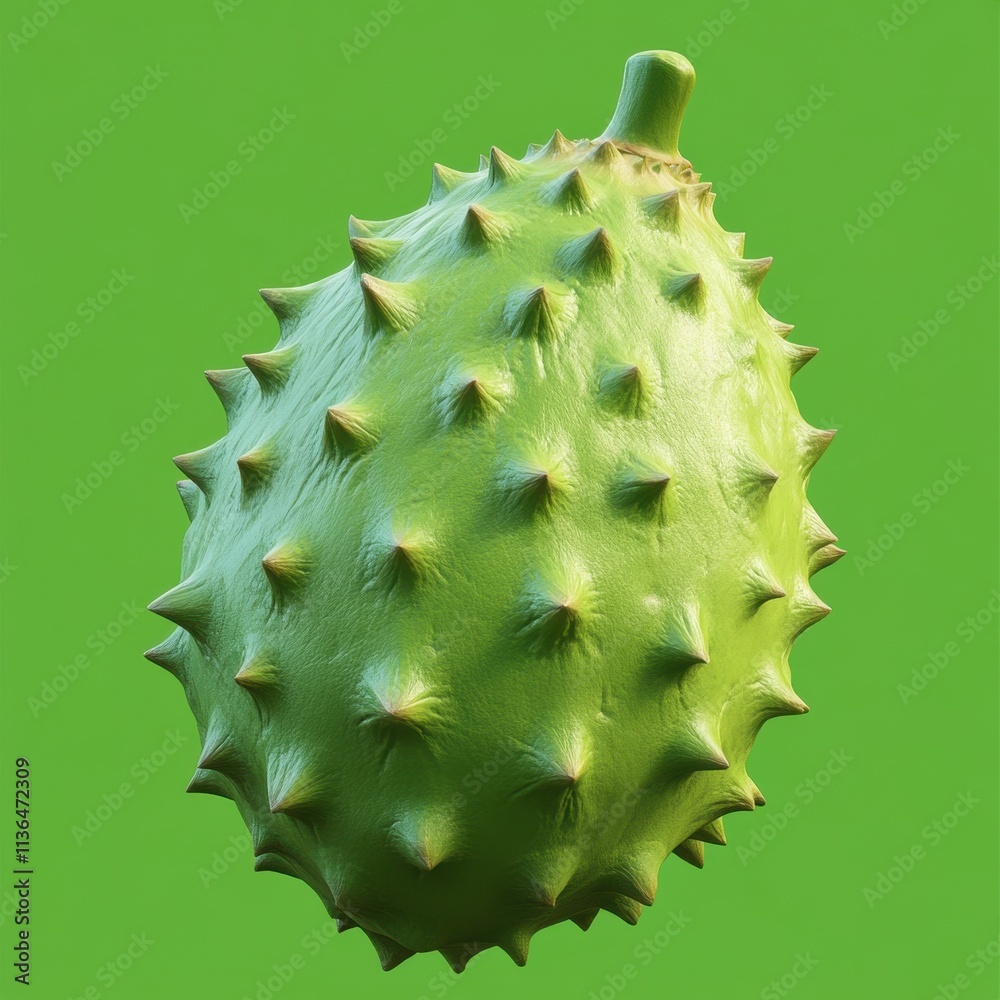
(654, 93)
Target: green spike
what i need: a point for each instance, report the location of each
(231, 386)
(643, 484)
(272, 368)
(817, 534)
(687, 290)
(662, 209)
(190, 497)
(824, 557)
(691, 851)
(372, 253)
(390, 953)
(805, 609)
(591, 256)
(761, 585)
(390, 306)
(350, 429)
(622, 907)
(171, 654)
(535, 484)
(814, 443)
(199, 467)
(683, 645)
(692, 749)
(402, 557)
(188, 605)
(459, 956)
(752, 272)
(635, 876)
(605, 154)
(516, 944)
(423, 840)
(625, 386)
(776, 697)
(539, 313)
(555, 606)
(711, 833)
(287, 304)
(300, 796)
(797, 355)
(503, 169)
(700, 198)
(571, 192)
(395, 696)
(444, 180)
(558, 145)
(364, 227)
(470, 395)
(736, 242)
(211, 783)
(482, 228)
(274, 863)
(257, 675)
(257, 466)
(286, 567)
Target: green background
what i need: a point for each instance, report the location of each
(792, 883)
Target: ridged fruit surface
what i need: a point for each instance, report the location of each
(493, 579)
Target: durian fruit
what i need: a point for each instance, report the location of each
(493, 579)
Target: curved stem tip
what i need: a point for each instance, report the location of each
(654, 93)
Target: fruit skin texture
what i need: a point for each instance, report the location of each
(493, 579)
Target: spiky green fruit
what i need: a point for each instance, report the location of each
(493, 579)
